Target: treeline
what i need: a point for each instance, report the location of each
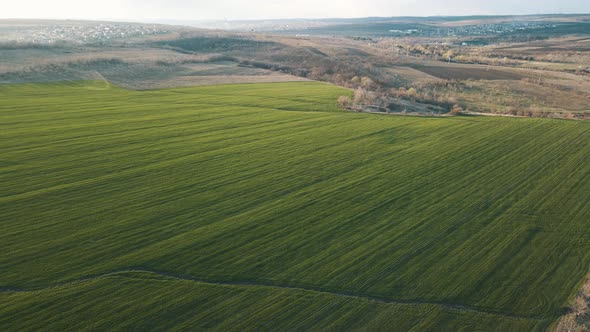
(17, 45)
(218, 44)
(420, 98)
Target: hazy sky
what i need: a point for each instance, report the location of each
(264, 9)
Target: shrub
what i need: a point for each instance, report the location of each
(344, 101)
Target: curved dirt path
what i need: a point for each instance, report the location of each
(184, 277)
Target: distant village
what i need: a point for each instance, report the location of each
(486, 29)
(84, 33)
(477, 30)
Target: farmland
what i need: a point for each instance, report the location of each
(264, 206)
(468, 72)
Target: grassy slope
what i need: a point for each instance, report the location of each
(231, 191)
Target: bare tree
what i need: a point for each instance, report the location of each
(344, 101)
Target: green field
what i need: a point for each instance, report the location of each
(262, 206)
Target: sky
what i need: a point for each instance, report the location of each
(138, 10)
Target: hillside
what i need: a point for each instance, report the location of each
(263, 206)
(529, 66)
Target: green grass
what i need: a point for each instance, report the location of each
(261, 206)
